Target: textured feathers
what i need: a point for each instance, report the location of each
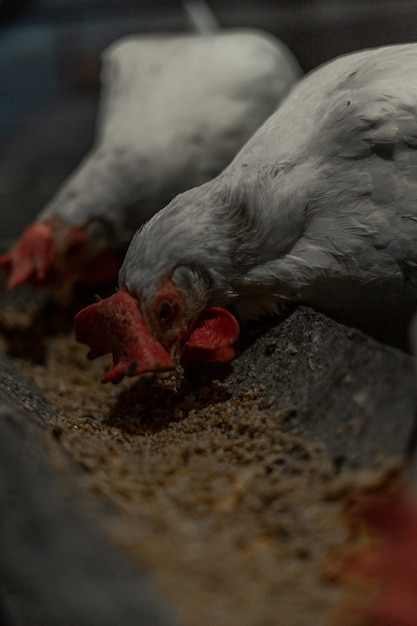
(319, 207)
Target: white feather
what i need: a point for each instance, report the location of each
(319, 207)
(174, 111)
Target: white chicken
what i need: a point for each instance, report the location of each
(319, 207)
(174, 112)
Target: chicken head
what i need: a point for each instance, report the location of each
(153, 341)
(52, 251)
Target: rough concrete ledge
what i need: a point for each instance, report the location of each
(55, 567)
(344, 389)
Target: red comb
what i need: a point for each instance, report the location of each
(116, 325)
(32, 257)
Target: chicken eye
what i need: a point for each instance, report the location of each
(74, 250)
(167, 312)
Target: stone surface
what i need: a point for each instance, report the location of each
(331, 384)
(341, 387)
(55, 566)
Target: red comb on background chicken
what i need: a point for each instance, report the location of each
(164, 126)
(32, 258)
(51, 251)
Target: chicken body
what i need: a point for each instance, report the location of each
(319, 207)
(174, 111)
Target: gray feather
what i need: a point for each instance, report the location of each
(319, 207)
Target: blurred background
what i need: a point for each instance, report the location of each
(50, 62)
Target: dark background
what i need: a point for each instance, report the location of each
(50, 60)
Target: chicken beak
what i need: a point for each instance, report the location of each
(116, 325)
